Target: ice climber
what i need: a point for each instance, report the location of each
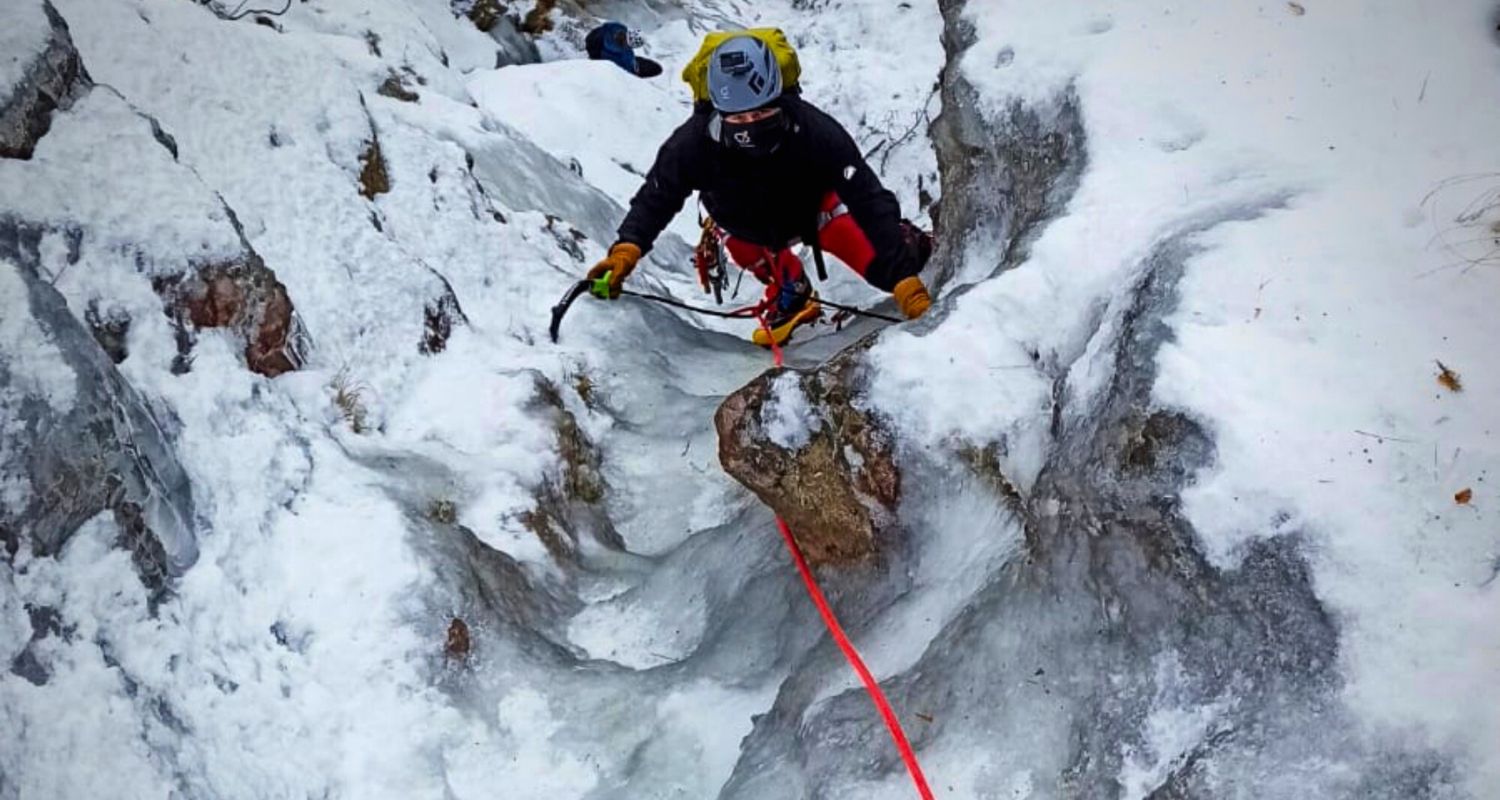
(772, 170)
(614, 42)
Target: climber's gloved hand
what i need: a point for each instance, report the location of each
(911, 296)
(617, 265)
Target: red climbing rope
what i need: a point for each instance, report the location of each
(760, 316)
(837, 632)
(871, 685)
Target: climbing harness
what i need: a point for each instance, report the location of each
(752, 311)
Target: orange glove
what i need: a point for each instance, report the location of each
(912, 296)
(619, 263)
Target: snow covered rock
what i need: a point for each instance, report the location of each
(569, 502)
(39, 72)
(1003, 170)
(439, 318)
(245, 297)
(77, 439)
(161, 230)
(805, 447)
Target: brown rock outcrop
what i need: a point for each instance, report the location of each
(838, 488)
(246, 297)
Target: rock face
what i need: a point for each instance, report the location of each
(1001, 175)
(51, 80)
(101, 448)
(439, 317)
(826, 467)
(245, 297)
(515, 46)
(1112, 619)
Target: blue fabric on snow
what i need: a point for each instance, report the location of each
(610, 42)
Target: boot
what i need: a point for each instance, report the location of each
(796, 304)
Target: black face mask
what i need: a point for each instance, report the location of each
(759, 138)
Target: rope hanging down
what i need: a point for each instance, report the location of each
(872, 686)
(851, 655)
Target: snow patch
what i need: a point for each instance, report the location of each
(1306, 335)
(528, 724)
(23, 38)
(163, 213)
(15, 624)
(576, 111)
(787, 417)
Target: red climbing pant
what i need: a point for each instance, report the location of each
(838, 234)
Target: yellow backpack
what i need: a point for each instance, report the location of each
(696, 71)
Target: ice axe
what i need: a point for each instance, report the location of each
(598, 287)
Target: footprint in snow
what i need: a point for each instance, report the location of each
(1099, 25)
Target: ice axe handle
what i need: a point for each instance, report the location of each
(562, 306)
(600, 287)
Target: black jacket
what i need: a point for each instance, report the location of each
(774, 199)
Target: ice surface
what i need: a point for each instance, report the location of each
(33, 368)
(657, 642)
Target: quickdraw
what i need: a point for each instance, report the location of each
(710, 260)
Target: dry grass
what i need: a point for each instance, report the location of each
(1465, 215)
(539, 19)
(459, 642)
(587, 390)
(1448, 378)
(581, 480)
(540, 524)
(985, 462)
(349, 398)
(373, 177)
(442, 511)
